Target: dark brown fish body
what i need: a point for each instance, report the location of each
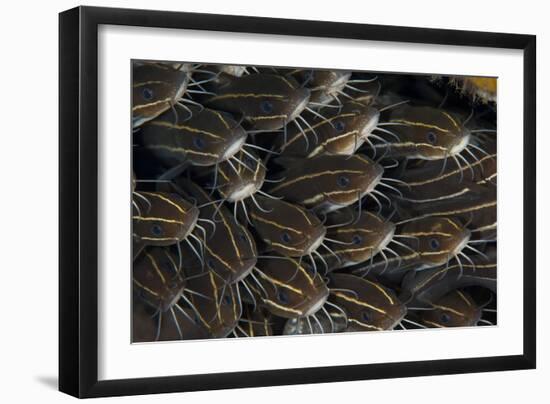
(425, 133)
(328, 183)
(288, 229)
(422, 287)
(216, 304)
(428, 184)
(437, 239)
(254, 323)
(477, 207)
(358, 239)
(178, 324)
(229, 248)
(164, 220)
(369, 305)
(157, 279)
(206, 138)
(343, 132)
(456, 309)
(265, 101)
(156, 87)
(290, 288)
(432, 242)
(143, 324)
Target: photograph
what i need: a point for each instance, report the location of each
(279, 201)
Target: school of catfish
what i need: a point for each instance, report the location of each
(283, 201)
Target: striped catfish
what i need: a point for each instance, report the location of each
(161, 219)
(155, 88)
(455, 309)
(356, 237)
(205, 138)
(255, 322)
(370, 306)
(430, 241)
(327, 183)
(430, 285)
(217, 306)
(289, 288)
(285, 228)
(157, 278)
(265, 101)
(229, 248)
(425, 133)
(340, 131)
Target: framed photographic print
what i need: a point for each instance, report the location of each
(238, 208)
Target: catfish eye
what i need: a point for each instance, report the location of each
(434, 243)
(356, 239)
(343, 181)
(198, 142)
(445, 318)
(227, 300)
(147, 94)
(431, 137)
(285, 237)
(156, 230)
(365, 316)
(210, 263)
(266, 106)
(242, 237)
(339, 126)
(282, 296)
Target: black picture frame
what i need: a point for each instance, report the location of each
(78, 206)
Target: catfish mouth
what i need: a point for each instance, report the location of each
(460, 145)
(317, 305)
(369, 126)
(316, 240)
(339, 83)
(234, 147)
(247, 266)
(397, 320)
(386, 239)
(235, 70)
(373, 183)
(462, 243)
(243, 192)
(300, 106)
(180, 91)
(193, 218)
